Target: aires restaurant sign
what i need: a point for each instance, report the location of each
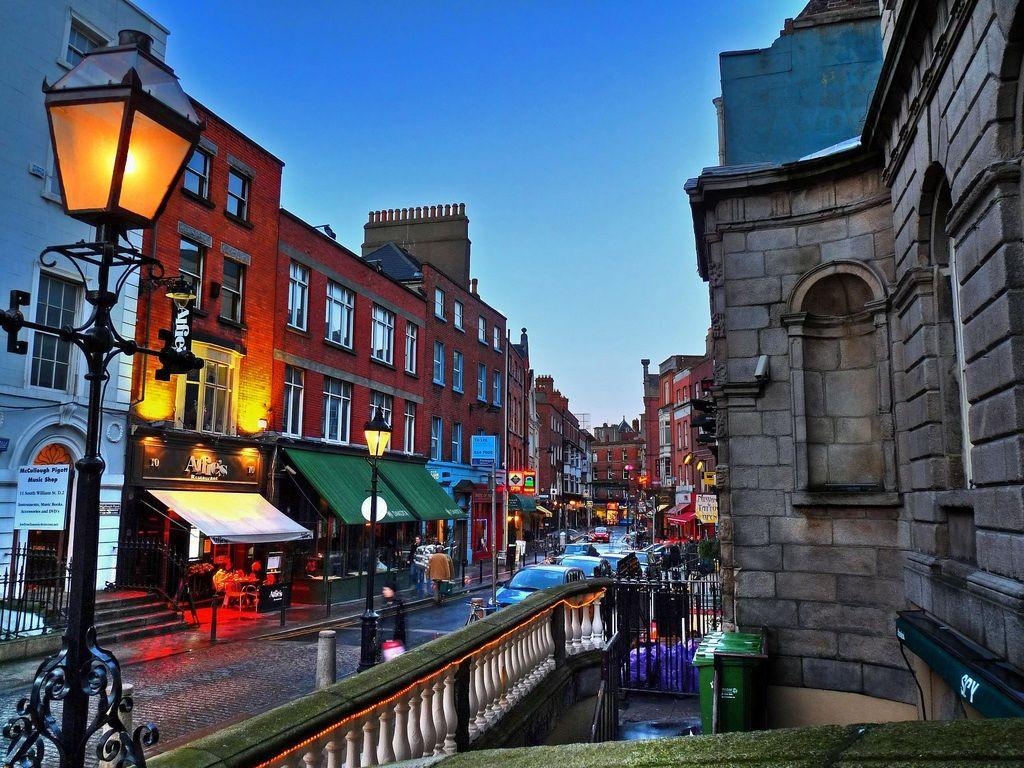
(200, 465)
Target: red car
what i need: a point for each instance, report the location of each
(601, 534)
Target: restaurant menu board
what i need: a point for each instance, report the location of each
(42, 501)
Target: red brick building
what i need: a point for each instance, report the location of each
(616, 489)
(200, 430)
(464, 349)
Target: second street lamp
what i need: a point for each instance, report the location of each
(378, 435)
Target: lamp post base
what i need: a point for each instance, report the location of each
(368, 640)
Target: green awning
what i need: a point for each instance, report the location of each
(414, 484)
(518, 502)
(984, 680)
(343, 481)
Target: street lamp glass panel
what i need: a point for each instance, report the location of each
(122, 130)
(155, 158)
(86, 138)
(378, 435)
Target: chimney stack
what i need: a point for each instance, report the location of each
(434, 234)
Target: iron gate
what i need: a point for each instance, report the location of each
(662, 622)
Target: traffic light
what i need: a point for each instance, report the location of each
(706, 422)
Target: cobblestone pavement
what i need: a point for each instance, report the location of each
(207, 688)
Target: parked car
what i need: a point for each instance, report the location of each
(534, 578)
(623, 565)
(580, 548)
(601, 534)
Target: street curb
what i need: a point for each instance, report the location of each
(342, 620)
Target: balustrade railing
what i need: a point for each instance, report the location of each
(434, 700)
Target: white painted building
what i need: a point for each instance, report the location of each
(43, 396)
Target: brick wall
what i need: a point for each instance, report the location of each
(442, 400)
(253, 241)
(310, 351)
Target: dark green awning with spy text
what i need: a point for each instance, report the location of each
(981, 678)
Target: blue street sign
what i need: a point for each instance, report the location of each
(484, 451)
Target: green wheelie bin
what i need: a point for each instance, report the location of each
(741, 695)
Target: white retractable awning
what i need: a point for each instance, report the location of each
(233, 518)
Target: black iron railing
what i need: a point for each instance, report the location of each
(33, 593)
(662, 622)
(151, 565)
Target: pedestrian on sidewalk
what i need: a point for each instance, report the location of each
(439, 569)
(395, 644)
(417, 572)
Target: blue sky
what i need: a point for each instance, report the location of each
(567, 127)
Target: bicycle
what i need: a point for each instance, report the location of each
(478, 609)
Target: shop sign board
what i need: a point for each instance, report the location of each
(42, 500)
(200, 465)
(274, 597)
(484, 451)
(707, 508)
(711, 478)
(523, 482)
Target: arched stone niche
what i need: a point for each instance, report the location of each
(842, 399)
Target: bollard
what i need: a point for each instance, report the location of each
(125, 713)
(326, 659)
(283, 609)
(213, 617)
(481, 561)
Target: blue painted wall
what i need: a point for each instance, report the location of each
(810, 90)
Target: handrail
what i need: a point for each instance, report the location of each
(434, 700)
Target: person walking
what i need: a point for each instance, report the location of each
(439, 569)
(416, 571)
(394, 645)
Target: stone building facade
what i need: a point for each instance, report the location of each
(866, 328)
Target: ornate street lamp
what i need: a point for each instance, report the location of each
(122, 130)
(378, 436)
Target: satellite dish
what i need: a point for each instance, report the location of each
(382, 508)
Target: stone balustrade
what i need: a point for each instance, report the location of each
(432, 701)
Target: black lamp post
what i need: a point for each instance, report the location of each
(378, 435)
(122, 130)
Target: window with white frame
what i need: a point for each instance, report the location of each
(381, 403)
(625, 454)
(56, 305)
(231, 291)
(457, 442)
(481, 330)
(411, 346)
(458, 313)
(497, 338)
(337, 409)
(206, 398)
(298, 295)
(439, 303)
(196, 178)
(457, 371)
(239, 186)
(481, 382)
(191, 258)
(383, 335)
(81, 40)
(292, 413)
(436, 430)
(409, 435)
(341, 303)
(496, 386)
(438, 362)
